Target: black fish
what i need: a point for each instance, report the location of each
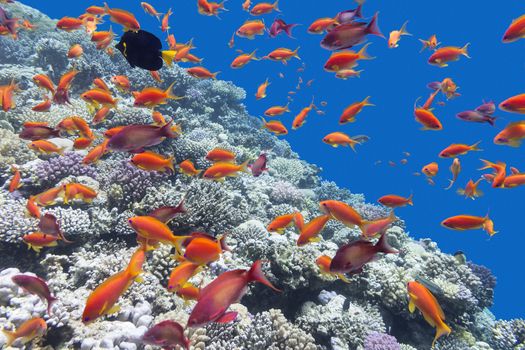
(141, 49)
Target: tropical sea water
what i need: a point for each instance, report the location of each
(394, 80)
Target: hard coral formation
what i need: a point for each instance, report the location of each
(345, 316)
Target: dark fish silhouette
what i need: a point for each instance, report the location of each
(141, 49)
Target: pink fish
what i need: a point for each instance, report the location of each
(278, 26)
(134, 138)
(259, 165)
(166, 334)
(226, 289)
(347, 35)
(35, 285)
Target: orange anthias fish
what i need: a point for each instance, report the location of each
(375, 227)
(300, 118)
(69, 23)
(32, 208)
(277, 110)
(228, 288)
(425, 117)
(261, 90)
(151, 161)
(181, 274)
(395, 201)
(282, 54)
(264, 8)
(430, 170)
(246, 5)
(471, 190)
(43, 106)
(14, 183)
(349, 114)
(150, 10)
(75, 51)
(121, 82)
(431, 43)
(75, 190)
(275, 126)
(204, 249)
(151, 96)
(250, 29)
(512, 135)
(102, 301)
(458, 149)
(341, 212)
(7, 96)
(220, 155)
(515, 31)
(201, 73)
(395, 36)
(165, 26)
(48, 197)
(122, 17)
(324, 262)
(96, 153)
(514, 104)
(500, 172)
(61, 95)
(310, 232)
(39, 240)
(280, 223)
(44, 82)
(319, 26)
(27, 331)
(336, 139)
(469, 222)
(220, 170)
(46, 147)
(420, 297)
(101, 115)
(98, 97)
(186, 167)
(346, 59)
(442, 56)
(152, 229)
(243, 59)
(455, 168)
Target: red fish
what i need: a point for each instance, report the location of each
(134, 138)
(61, 95)
(514, 104)
(349, 114)
(352, 257)
(259, 165)
(278, 26)
(471, 190)
(226, 289)
(457, 149)
(431, 43)
(33, 328)
(166, 334)
(395, 201)
(14, 183)
(347, 35)
(512, 135)
(37, 286)
(469, 222)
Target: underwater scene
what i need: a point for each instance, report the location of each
(312, 175)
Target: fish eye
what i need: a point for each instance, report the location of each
(86, 319)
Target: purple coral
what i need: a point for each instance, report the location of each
(484, 274)
(381, 341)
(55, 169)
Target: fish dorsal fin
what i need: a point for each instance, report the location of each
(519, 122)
(152, 89)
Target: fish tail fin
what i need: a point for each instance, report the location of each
(373, 28)
(366, 103)
(170, 164)
(256, 274)
(253, 56)
(10, 337)
(276, 6)
(244, 167)
(50, 301)
(441, 330)
(214, 75)
(403, 30)
(475, 147)
(451, 183)
(167, 130)
(425, 45)
(460, 191)
(288, 29)
(359, 11)
(167, 57)
(464, 50)
(491, 120)
(295, 53)
(410, 199)
(169, 92)
(343, 278)
(363, 55)
(383, 246)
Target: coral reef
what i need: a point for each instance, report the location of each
(313, 311)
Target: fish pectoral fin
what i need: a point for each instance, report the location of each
(227, 317)
(411, 306)
(315, 239)
(114, 309)
(139, 279)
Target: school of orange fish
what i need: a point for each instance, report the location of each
(195, 251)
